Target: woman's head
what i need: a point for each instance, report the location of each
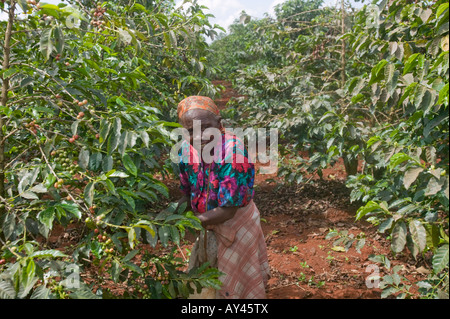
(201, 111)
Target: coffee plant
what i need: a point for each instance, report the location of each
(370, 87)
(89, 92)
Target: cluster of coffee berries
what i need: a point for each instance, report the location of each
(116, 159)
(45, 20)
(163, 279)
(80, 103)
(57, 289)
(106, 243)
(74, 138)
(62, 158)
(80, 115)
(143, 291)
(32, 126)
(98, 13)
(59, 183)
(32, 2)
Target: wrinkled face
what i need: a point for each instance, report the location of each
(204, 120)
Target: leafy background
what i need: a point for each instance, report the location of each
(88, 101)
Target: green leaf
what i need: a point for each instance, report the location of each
(167, 40)
(83, 158)
(397, 159)
(161, 188)
(133, 267)
(46, 44)
(443, 94)
(129, 164)
(95, 161)
(148, 226)
(440, 259)
(9, 224)
(432, 235)
(50, 253)
(364, 210)
(385, 225)
(398, 236)
(175, 235)
(110, 186)
(389, 69)
(105, 126)
(418, 234)
(129, 199)
(71, 208)
(130, 255)
(89, 193)
(115, 270)
(39, 188)
(145, 138)
(23, 5)
(59, 40)
(131, 237)
(375, 73)
(29, 195)
(107, 163)
(411, 176)
(113, 142)
(49, 6)
(114, 138)
(7, 290)
(164, 232)
(46, 217)
(434, 186)
(118, 174)
(83, 293)
(40, 292)
(357, 98)
(441, 9)
(120, 102)
(50, 179)
(411, 63)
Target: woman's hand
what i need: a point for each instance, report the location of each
(184, 199)
(217, 215)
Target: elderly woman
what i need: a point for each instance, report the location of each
(221, 194)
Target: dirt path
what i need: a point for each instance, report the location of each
(296, 221)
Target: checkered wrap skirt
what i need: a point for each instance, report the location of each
(241, 255)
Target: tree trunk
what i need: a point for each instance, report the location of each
(4, 98)
(343, 62)
(351, 166)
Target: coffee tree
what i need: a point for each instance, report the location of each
(88, 92)
(369, 87)
(405, 182)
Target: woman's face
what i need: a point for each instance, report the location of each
(204, 119)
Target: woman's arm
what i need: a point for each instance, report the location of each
(217, 215)
(183, 199)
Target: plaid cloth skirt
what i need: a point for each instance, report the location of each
(238, 249)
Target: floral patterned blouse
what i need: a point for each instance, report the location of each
(226, 182)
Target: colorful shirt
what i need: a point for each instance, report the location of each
(226, 182)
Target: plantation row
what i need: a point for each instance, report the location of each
(369, 87)
(89, 95)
